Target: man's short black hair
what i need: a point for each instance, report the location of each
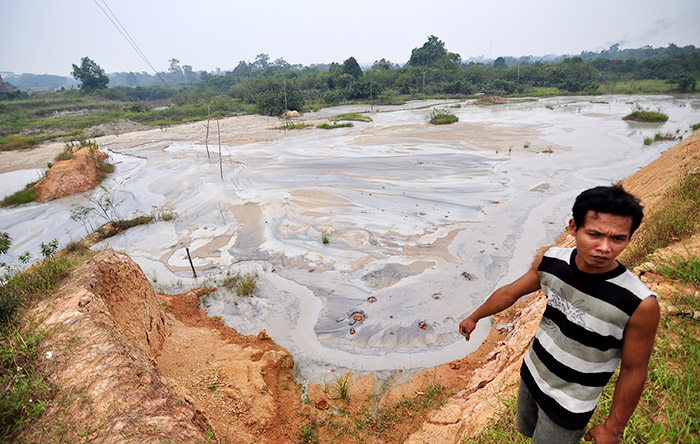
(612, 200)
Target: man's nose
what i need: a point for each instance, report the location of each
(604, 244)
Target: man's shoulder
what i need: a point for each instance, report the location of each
(633, 284)
(563, 254)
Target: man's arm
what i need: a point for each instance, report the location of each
(636, 350)
(503, 298)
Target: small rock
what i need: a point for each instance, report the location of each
(352, 331)
(422, 325)
(437, 296)
(467, 276)
(357, 317)
(322, 404)
(263, 336)
(391, 333)
(371, 299)
(454, 365)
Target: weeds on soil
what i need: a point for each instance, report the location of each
(22, 377)
(676, 219)
(243, 284)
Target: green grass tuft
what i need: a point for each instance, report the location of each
(351, 116)
(442, 117)
(335, 125)
(26, 195)
(646, 116)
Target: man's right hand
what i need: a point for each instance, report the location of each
(466, 327)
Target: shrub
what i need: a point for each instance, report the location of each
(442, 117)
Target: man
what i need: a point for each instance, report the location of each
(598, 314)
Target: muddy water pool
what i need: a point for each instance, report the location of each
(422, 222)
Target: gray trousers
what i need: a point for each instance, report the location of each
(535, 423)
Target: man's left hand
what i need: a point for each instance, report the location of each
(600, 435)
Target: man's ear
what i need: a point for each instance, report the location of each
(572, 226)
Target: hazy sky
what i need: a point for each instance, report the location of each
(47, 36)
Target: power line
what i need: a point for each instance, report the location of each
(129, 39)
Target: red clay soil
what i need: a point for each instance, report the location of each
(81, 173)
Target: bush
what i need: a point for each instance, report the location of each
(442, 117)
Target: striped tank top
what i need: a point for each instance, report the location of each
(578, 344)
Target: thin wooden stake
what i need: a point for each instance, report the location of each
(191, 264)
(221, 167)
(206, 140)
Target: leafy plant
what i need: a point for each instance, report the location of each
(325, 237)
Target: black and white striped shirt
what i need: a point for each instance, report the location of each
(578, 344)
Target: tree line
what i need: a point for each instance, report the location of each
(432, 70)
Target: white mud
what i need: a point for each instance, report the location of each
(409, 209)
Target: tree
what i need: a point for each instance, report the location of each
(686, 84)
(499, 63)
(90, 75)
(433, 54)
(351, 67)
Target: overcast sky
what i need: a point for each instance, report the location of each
(47, 36)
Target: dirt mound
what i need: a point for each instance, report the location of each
(81, 173)
(99, 356)
(130, 365)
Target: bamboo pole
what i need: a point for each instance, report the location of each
(190, 259)
(206, 140)
(221, 167)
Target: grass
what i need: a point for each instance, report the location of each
(351, 116)
(677, 218)
(646, 86)
(442, 117)
(22, 375)
(242, 284)
(696, 127)
(391, 422)
(335, 125)
(325, 237)
(646, 116)
(23, 196)
(308, 433)
(300, 125)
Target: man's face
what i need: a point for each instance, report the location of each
(600, 240)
